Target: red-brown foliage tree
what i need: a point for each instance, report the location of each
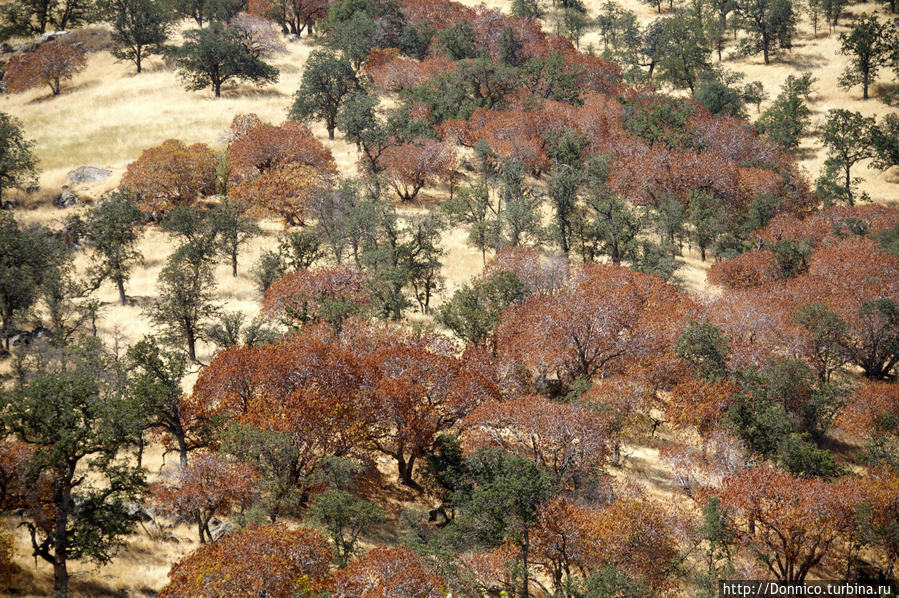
(170, 174)
(880, 516)
(701, 404)
(871, 410)
(790, 524)
(329, 294)
(257, 147)
(540, 272)
(625, 401)
(416, 164)
(14, 459)
(440, 13)
(829, 223)
(757, 324)
(208, 486)
(50, 64)
(751, 269)
(515, 133)
(859, 281)
(393, 72)
(632, 535)
(415, 394)
(286, 190)
(606, 317)
(305, 390)
(572, 441)
(387, 573)
(269, 560)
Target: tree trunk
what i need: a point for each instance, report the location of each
(191, 346)
(218, 88)
(120, 284)
(60, 580)
(182, 451)
(137, 58)
(848, 187)
(404, 471)
(234, 264)
(61, 549)
(524, 565)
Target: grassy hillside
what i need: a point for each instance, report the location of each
(107, 115)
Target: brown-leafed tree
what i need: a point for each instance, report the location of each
(605, 318)
(570, 440)
(208, 486)
(257, 147)
(50, 64)
(287, 190)
(170, 174)
(309, 295)
(790, 524)
(260, 560)
(414, 165)
(387, 573)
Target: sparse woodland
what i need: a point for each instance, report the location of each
(423, 298)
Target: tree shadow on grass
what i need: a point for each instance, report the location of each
(64, 90)
(803, 61)
(251, 92)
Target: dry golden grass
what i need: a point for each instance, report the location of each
(108, 115)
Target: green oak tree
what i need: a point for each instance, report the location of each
(73, 412)
(113, 227)
(870, 45)
(327, 80)
(216, 54)
(18, 165)
(140, 27)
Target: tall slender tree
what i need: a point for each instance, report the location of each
(140, 27)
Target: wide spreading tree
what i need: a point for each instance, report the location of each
(604, 318)
(50, 64)
(170, 174)
(217, 54)
(268, 560)
(789, 524)
(72, 412)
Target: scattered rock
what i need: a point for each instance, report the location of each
(66, 199)
(134, 509)
(88, 174)
(5, 48)
(219, 528)
(293, 37)
(50, 36)
(26, 338)
(7, 205)
(32, 188)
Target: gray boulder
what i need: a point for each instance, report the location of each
(88, 174)
(219, 528)
(66, 199)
